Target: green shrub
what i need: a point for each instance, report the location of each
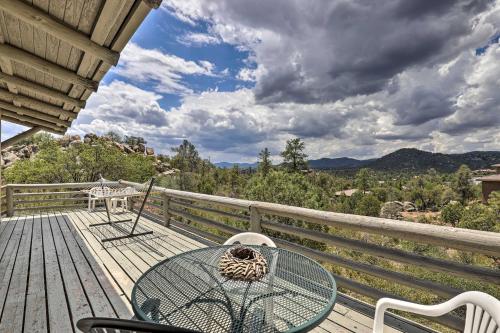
(479, 217)
(452, 213)
(368, 205)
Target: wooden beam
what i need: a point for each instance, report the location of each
(5, 64)
(155, 4)
(49, 24)
(29, 122)
(42, 90)
(21, 136)
(35, 104)
(34, 114)
(45, 66)
(108, 17)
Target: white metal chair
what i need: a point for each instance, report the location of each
(94, 194)
(482, 316)
(250, 238)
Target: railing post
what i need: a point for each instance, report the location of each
(166, 207)
(9, 200)
(255, 218)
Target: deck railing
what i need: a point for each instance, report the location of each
(216, 218)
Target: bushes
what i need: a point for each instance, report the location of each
(368, 205)
(479, 217)
(452, 213)
(286, 188)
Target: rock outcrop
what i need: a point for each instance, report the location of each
(19, 152)
(394, 209)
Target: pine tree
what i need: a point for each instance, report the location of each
(294, 157)
(265, 164)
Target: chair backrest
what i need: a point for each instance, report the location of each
(483, 313)
(250, 238)
(95, 190)
(482, 316)
(113, 325)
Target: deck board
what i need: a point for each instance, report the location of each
(55, 270)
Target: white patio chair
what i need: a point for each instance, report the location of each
(250, 238)
(122, 201)
(94, 194)
(482, 316)
(253, 238)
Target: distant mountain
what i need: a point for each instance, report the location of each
(228, 165)
(337, 163)
(409, 159)
(418, 160)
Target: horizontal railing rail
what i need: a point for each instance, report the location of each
(216, 218)
(57, 196)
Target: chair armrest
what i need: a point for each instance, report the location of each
(384, 304)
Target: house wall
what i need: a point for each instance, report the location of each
(489, 187)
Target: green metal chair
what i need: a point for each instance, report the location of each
(114, 325)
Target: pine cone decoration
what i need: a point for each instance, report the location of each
(243, 263)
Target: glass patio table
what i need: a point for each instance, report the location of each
(188, 291)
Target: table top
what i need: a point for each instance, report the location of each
(114, 193)
(188, 291)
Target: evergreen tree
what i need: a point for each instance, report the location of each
(187, 158)
(462, 184)
(363, 179)
(264, 161)
(114, 136)
(294, 157)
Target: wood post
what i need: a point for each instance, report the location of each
(166, 209)
(255, 219)
(9, 199)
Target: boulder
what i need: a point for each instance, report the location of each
(65, 140)
(391, 210)
(162, 166)
(150, 151)
(25, 152)
(9, 158)
(168, 172)
(409, 206)
(127, 149)
(34, 149)
(75, 143)
(119, 146)
(141, 148)
(89, 138)
(74, 138)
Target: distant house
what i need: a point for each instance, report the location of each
(490, 183)
(348, 193)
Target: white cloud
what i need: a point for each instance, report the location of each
(166, 71)
(198, 39)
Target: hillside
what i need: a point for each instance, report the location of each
(337, 163)
(228, 165)
(418, 160)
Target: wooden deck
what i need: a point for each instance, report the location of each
(54, 270)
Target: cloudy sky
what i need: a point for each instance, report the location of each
(357, 78)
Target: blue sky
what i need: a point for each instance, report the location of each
(236, 76)
(162, 31)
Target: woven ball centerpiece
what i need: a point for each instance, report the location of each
(243, 263)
